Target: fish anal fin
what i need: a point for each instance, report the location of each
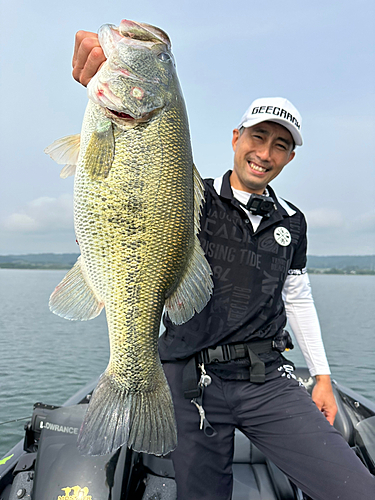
(65, 150)
(73, 298)
(100, 153)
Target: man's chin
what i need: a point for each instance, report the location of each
(249, 184)
(255, 186)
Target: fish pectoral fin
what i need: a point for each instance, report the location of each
(194, 289)
(65, 150)
(74, 298)
(100, 152)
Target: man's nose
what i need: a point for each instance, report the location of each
(264, 152)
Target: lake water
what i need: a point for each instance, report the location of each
(47, 358)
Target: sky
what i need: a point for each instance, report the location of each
(320, 55)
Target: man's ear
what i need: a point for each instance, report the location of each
(291, 156)
(236, 135)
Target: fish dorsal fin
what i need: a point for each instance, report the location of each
(67, 171)
(65, 151)
(74, 298)
(195, 286)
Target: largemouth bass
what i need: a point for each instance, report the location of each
(137, 198)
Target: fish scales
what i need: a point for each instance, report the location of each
(143, 230)
(136, 206)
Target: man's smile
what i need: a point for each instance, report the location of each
(256, 167)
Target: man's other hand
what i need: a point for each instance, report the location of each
(323, 397)
(87, 58)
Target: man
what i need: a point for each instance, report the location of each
(256, 246)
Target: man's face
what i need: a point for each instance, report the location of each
(260, 154)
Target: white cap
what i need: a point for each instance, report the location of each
(275, 109)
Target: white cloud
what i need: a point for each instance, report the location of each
(42, 215)
(324, 218)
(330, 232)
(364, 222)
(340, 242)
(20, 222)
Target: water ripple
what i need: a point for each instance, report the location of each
(48, 358)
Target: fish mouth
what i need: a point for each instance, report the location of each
(143, 32)
(124, 116)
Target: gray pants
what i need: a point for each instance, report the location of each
(280, 418)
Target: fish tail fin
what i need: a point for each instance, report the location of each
(74, 298)
(117, 416)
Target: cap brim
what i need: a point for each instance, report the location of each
(297, 137)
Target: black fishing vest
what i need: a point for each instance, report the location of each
(249, 270)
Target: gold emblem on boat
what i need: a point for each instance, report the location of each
(75, 493)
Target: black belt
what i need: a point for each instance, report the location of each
(223, 353)
(229, 352)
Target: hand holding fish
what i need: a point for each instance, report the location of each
(88, 56)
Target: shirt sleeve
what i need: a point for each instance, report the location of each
(303, 319)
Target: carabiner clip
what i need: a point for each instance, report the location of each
(208, 430)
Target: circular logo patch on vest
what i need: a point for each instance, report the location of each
(282, 236)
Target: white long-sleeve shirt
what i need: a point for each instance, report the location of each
(303, 319)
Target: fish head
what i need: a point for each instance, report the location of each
(139, 77)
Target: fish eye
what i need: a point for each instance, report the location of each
(164, 57)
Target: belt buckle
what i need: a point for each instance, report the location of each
(217, 354)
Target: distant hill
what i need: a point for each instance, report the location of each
(341, 261)
(333, 264)
(39, 261)
(342, 264)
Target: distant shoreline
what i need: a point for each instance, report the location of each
(46, 267)
(330, 264)
(62, 267)
(358, 272)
